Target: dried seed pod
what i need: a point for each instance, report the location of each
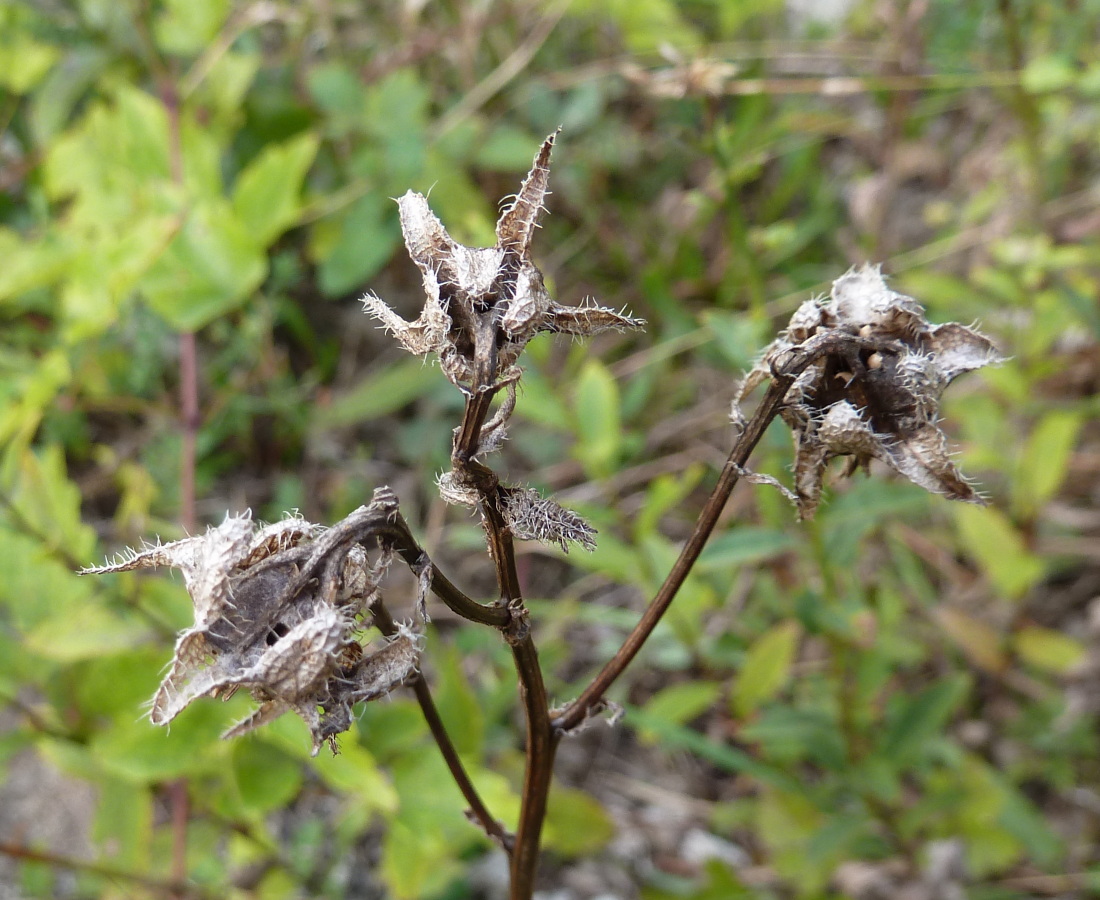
(276, 612)
(498, 291)
(880, 400)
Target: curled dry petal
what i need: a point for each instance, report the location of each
(879, 398)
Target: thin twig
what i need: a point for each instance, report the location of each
(784, 376)
(541, 738)
(495, 81)
(478, 810)
(178, 888)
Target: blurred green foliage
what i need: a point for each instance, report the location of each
(892, 674)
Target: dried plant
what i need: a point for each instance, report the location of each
(875, 399)
(279, 610)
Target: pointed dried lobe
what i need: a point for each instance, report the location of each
(958, 349)
(531, 516)
(426, 239)
(587, 320)
(517, 223)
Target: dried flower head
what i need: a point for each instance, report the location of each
(277, 609)
(483, 304)
(875, 398)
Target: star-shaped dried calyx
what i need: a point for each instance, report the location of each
(277, 611)
(875, 398)
(483, 304)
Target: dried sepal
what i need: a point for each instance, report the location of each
(474, 291)
(758, 478)
(277, 610)
(518, 221)
(606, 710)
(426, 335)
(877, 397)
(454, 491)
(387, 667)
(588, 319)
(206, 562)
(532, 517)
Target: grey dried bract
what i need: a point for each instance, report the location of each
(483, 304)
(277, 610)
(532, 517)
(878, 398)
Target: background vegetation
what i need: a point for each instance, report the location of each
(900, 694)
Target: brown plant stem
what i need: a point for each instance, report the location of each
(397, 532)
(177, 888)
(391, 530)
(541, 740)
(782, 378)
(478, 810)
(1026, 109)
(542, 744)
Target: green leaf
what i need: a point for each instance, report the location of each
(36, 388)
(731, 759)
(789, 735)
(351, 248)
(380, 394)
(113, 157)
(394, 114)
(543, 400)
(919, 719)
(416, 862)
(123, 814)
(1048, 650)
(32, 263)
(458, 704)
(576, 824)
(189, 26)
(999, 549)
(506, 149)
(339, 94)
(663, 493)
(679, 704)
(1031, 828)
(424, 839)
(140, 752)
(354, 771)
(119, 684)
(599, 432)
(767, 667)
(266, 777)
(49, 503)
(210, 269)
(1044, 74)
(742, 546)
(24, 61)
(787, 821)
(1045, 459)
(85, 631)
(227, 83)
(266, 195)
